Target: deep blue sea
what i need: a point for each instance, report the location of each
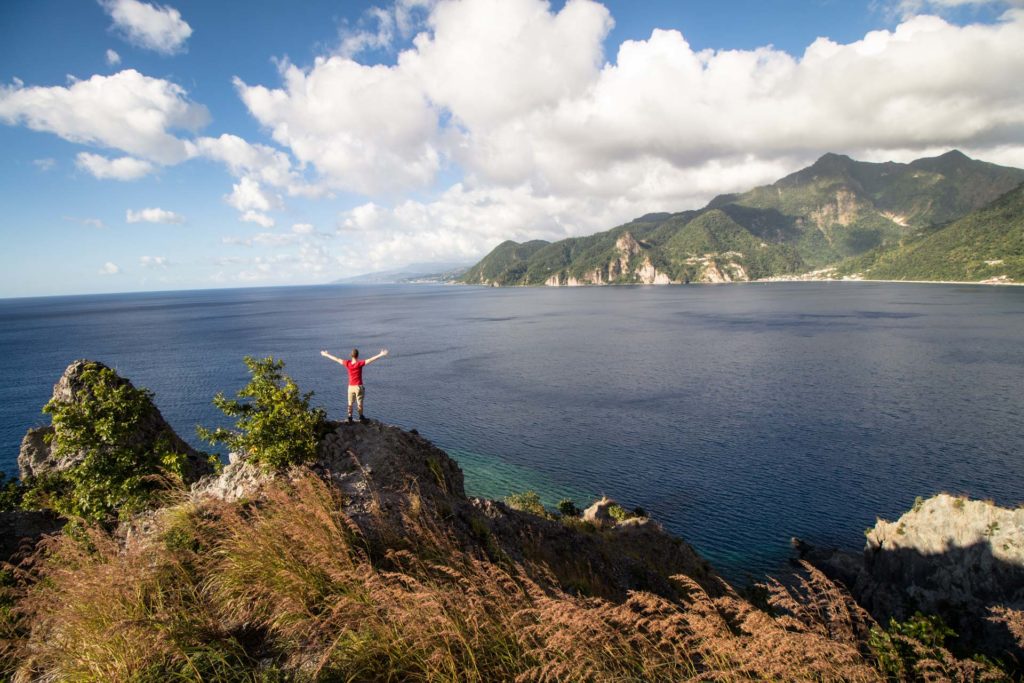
(737, 415)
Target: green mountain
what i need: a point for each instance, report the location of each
(830, 212)
(985, 245)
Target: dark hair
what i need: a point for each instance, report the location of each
(355, 353)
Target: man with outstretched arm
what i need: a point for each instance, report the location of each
(356, 391)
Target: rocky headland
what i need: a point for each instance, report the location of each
(370, 562)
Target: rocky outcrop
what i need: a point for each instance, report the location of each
(380, 469)
(843, 209)
(372, 464)
(950, 556)
(36, 456)
(630, 263)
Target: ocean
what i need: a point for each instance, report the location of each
(737, 415)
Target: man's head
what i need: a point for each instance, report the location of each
(355, 354)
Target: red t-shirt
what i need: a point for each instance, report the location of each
(355, 372)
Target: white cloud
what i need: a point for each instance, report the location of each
(154, 215)
(259, 162)
(154, 27)
(113, 59)
(93, 222)
(910, 8)
(365, 128)
(303, 229)
(126, 111)
(45, 165)
(247, 195)
(159, 262)
(488, 60)
(109, 268)
(123, 168)
(260, 219)
(274, 239)
(398, 20)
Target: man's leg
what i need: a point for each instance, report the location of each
(351, 396)
(359, 396)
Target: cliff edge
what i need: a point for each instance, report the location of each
(961, 559)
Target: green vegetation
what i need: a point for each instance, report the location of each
(527, 501)
(882, 219)
(988, 243)
(909, 649)
(11, 493)
(567, 508)
(275, 425)
(114, 472)
(506, 263)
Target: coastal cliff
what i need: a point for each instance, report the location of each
(364, 559)
(957, 558)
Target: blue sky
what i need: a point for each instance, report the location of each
(207, 144)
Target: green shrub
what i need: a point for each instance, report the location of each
(568, 508)
(115, 473)
(11, 493)
(274, 423)
(527, 501)
(902, 645)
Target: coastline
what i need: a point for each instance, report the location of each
(762, 281)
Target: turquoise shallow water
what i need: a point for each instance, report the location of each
(737, 415)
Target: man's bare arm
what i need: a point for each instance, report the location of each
(383, 352)
(334, 358)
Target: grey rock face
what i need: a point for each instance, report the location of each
(598, 514)
(36, 456)
(372, 464)
(950, 556)
(377, 467)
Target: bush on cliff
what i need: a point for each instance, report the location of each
(112, 472)
(275, 425)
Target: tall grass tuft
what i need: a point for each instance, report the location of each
(288, 587)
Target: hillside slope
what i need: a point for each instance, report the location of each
(835, 209)
(985, 245)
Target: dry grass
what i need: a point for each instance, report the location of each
(288, 588)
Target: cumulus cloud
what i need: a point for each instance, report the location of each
(123, 168)
(157, 262)
(44, 165)
(126, 111)
(247, 195)
(154, 27)
(259, 162)
(154, 215)
(303, 229)
(260, 219)
(109, 268)
(113, 59)
(366, 128)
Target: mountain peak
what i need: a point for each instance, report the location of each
(831, 160)
(954, 154)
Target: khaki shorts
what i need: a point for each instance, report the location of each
(356, 393)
